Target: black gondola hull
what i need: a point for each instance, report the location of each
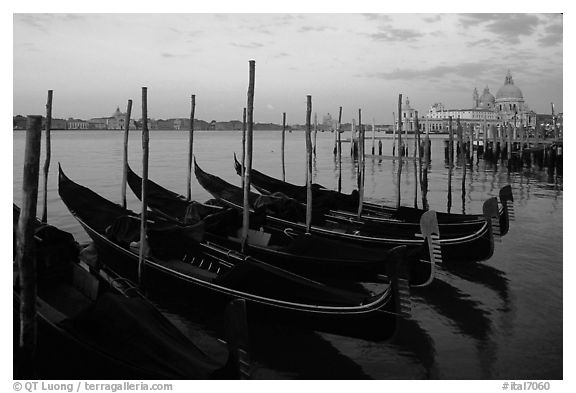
(464, 247)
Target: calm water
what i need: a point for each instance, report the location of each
(501, 319)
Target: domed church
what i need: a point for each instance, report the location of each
(508, 104)
(507, 107)
(485, 101)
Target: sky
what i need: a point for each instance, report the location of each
(96, 62)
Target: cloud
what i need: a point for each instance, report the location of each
(432, 18)
(36, 21)
(378, 17)
(305, 29)
(281, 54)
(392, 34)
(262, 29)
(482, 42)
(553, 35)
(466, 70)
(251, 45)
(477, 19)
(73, 17)
(173, 55)
(508, 27)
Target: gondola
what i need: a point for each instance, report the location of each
(345, 206)
(306, 254)
(93, 324)
(284, 212)
(177, 256)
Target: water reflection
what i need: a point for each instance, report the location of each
(463, 312)
(485, 275)
(416, 342)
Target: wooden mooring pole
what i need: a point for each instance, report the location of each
(143, 219)
(47, 161)
(373, 136)
(25, 250)
(450, 142)
(419, 179)
(191, 146)
(399, 175)
(424, 180)
(484, 136)
(495, 145)
(283, 145)
(125, 152)
(394, 134)
(315, 132)
(353, 150)
(243, 148)
(339, 150)
(308, 164)
(460, 141)
(249, 147)
(361, 157)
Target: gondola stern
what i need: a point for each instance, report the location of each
(431, 232)
(492, 216)
(237, 165)
(507, 201)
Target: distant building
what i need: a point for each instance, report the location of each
(164, 124)
(408, 116)
(76, 124)
(55, 124)
(508, 107)
(98, 123)
(328, 123)
(114, 122)
(437, 118)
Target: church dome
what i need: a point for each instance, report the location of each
(117, 112)
(509, 90)
(487, 97)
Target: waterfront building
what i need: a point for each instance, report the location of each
(408, 115)
(76, 124)
(114, 122)
(55, 124)
(328, 123)
(507, 107)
